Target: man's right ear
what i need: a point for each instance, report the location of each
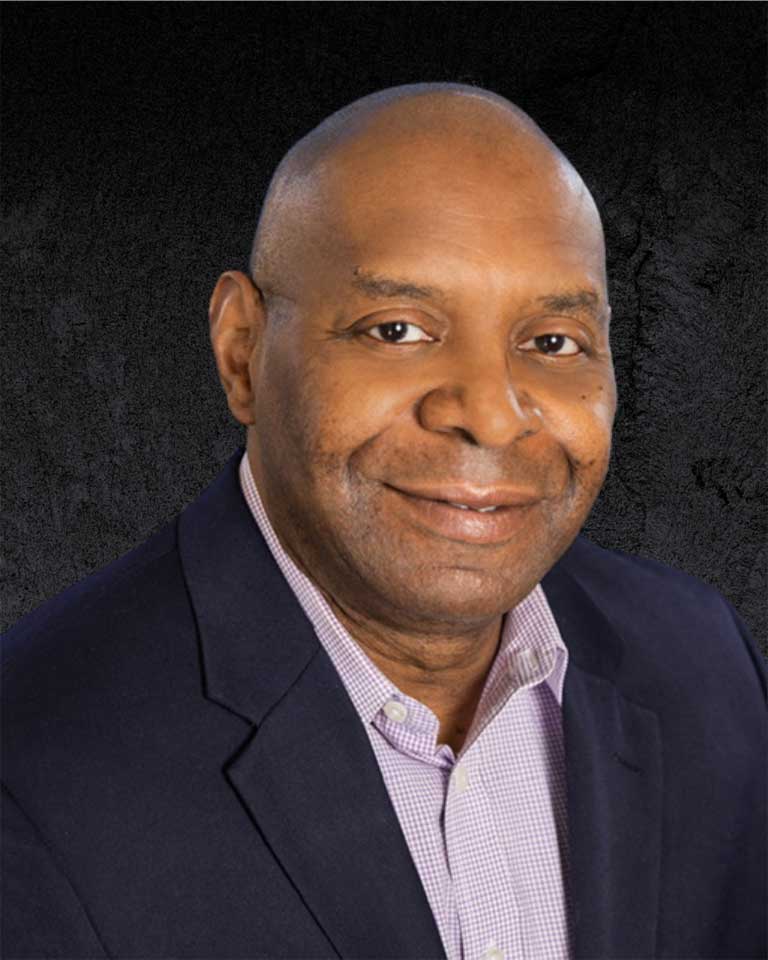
(236, 316)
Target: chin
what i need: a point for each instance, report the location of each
(456, 595)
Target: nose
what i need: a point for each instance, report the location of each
(480, 402)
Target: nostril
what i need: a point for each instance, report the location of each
(466, 435)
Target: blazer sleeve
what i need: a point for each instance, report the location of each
(42, 915)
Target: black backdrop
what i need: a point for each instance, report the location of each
(138, 141)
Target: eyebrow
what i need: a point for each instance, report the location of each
(380, 287)
(571, 301)
(375, 285)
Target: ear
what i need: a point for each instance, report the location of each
(236, 315)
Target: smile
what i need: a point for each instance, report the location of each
(458, 521)
(463, 506)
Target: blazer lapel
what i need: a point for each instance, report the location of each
(307, 773)
(614, 784)
(313, 786)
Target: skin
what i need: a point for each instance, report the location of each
(456, 191)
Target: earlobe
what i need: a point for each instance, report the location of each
(235, 316)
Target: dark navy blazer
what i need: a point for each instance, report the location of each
(185, 775)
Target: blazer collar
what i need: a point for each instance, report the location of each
(255, 639)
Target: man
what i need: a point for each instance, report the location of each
(372, 694)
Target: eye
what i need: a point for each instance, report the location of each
(551, 344)
(397, 331)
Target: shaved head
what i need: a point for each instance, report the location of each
(399, 134)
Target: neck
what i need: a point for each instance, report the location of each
(445, 673)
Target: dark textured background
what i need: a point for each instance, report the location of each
(138, 141)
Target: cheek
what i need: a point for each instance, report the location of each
(601, 402)
(581, 419)
(319, 413)
(288, 411)
(343, 409)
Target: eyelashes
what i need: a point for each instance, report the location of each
(402, 332)
(555, 340)
(395, 328)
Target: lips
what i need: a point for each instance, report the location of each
(475, 498)
(456, 513)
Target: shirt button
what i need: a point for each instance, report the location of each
(396, 711)
(461, 777)
(493, 953)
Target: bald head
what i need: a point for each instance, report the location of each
(383, 150)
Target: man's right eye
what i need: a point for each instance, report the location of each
(397, 331)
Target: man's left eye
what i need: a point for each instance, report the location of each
(397, 332)
(551, 344)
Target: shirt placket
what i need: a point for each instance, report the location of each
(487, 908)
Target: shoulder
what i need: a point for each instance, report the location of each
(102, 683)
(628, 584)
(665, 614)
(58, 645)
(634, 578)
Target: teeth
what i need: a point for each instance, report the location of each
(463, 506)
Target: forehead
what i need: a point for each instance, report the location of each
(459, 168)
(470, 221)
(462, 208)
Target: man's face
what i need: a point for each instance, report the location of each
(408, 359)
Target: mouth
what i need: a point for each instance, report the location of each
(464, 522)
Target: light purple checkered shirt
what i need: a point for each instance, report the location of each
(486, 830)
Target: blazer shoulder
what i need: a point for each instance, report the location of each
(610, 570)
(114, 596)
(669, 613)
